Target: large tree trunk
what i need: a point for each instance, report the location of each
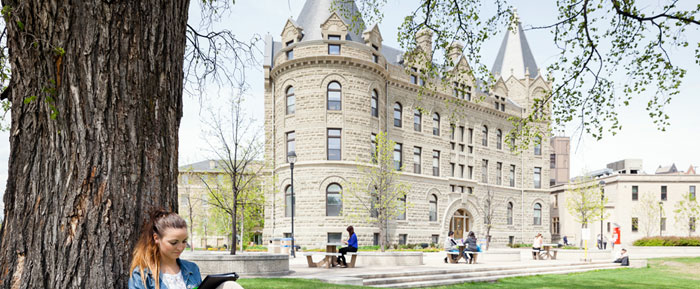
(80, 182)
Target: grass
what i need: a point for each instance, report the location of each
(661, 273)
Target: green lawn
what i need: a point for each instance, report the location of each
(661, 273)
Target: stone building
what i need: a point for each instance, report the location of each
(329, 90)
(626, 186)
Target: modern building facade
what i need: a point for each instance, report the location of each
(330, 90)
(626, 187)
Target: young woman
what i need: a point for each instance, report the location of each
(352, 246)
(470, 242)
(536, 246)
(156, 260)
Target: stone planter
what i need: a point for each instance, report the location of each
(389, 259)
(246, 264)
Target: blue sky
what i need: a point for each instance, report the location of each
(639, 138)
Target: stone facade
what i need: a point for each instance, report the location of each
(364, 66)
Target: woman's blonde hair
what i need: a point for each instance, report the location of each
(147, 253)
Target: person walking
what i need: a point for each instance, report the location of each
(352, 247)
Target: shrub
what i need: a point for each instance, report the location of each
(668, 241)
(519, 245)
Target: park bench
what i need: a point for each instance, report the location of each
(472, 256)
(453, 260)
(353, 258)
(327, 259)
(451, 257)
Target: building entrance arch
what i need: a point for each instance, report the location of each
(460, 223)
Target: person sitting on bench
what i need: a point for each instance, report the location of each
(624, 259)
(537, 246)
(352, 247)
(471, 245)
(451, 245)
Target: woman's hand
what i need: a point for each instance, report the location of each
(346, 242)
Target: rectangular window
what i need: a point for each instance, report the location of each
(635, 224)
(470, 172)
(537, 179)
(452, 131)
(417, 120)
(485, 171)
(512, 176)
(555, 225)
(499, 173)
(496, 104)
(414, 79)
(373, 140)
(663, 224)
(290, 54)
(691, 191)
(461, 147)
(461, 189)
(552, 161)
(471, 149)
(608, 227)
(403, 238)
(664, 193)
(289, 43)
(333, 37)
(452, 169)
(461, 134)
(398, 161)
(461, 171)
(436, 163)
(333, 144)
(434, 239)
(375, 239)
(291, 143)
(334, 49)
(402, 208)
(416, 160)
(691, 224)
(335, 237)
(556, 201)
(469, 96)
(452, 145)
(470, 190)
(375, 58)
(452, 188)
(635, 193)
(470, 136)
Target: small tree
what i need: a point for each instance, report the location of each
(377, 196)
(584, 201)
(648, 209)
(687, 212)
(488, 209)
(235, 142)
(190, 203)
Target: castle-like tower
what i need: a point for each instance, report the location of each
(329, 91)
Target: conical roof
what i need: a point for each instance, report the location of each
(514, 56)
(315, 12)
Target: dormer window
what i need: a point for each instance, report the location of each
(290, 54)
(375, 58)
(333, 37)
(414, 78)
(375, 47)
(289, 43)
(500, 103)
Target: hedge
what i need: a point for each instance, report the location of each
(668, 241)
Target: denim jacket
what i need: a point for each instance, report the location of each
(189, 271)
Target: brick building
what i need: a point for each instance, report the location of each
(328, 90)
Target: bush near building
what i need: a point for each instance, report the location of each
(668, 241)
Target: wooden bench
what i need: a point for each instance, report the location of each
(451, 258)
(353, 258)
(472, 256)
(327, 259)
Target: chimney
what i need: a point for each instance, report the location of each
(455, 52)
(424, 39)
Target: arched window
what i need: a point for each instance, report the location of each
(288, 201)
(375, 103)
(334, 92)
(291, 100)
(397, 114)
(538, 146)
(537, 214)
(499, 139)
(436, 124)
(334, 202)
(417, 120)
(509, 214)
(485, 135)
(433, 208)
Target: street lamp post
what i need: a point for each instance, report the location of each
(292, 158)
(602, 212)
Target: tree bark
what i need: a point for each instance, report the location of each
(81, 181)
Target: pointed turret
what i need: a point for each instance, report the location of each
(514, 57)
(316, 12)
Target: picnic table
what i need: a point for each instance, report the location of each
(462, 248)
(329, 259)
(548, 252)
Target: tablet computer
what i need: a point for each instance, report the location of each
(214, 280)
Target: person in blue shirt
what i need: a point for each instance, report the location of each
(352, 246)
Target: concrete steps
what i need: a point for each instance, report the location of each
(431, 278)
